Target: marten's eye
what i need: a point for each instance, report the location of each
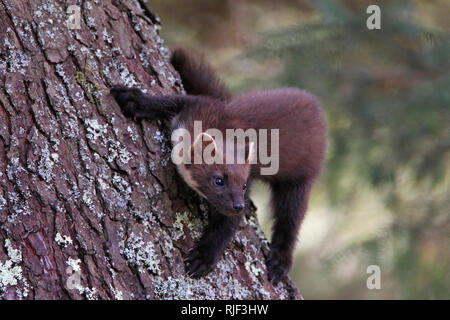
(219, 182)
(244, 187)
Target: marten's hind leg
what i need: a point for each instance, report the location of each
(290, 201)
(135, 103)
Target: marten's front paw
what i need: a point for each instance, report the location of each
(278, 266)
(200, 262)
(127, 98)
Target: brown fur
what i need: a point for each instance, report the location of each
(302, 135)
(203, 83)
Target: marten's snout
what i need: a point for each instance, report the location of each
(237, 199)
(237, 207)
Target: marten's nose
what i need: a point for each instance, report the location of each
(238, 207)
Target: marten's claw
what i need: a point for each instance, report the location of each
(199, 264)
(277, 266)
(127, 98)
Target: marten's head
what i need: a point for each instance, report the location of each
(223, 183)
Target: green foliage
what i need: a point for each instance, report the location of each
(384, 194)
(387, 98)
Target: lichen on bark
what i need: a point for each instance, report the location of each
(90, 204)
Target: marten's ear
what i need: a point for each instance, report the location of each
(204, 149)
(251, 153)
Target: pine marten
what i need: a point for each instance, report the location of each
(301, 146)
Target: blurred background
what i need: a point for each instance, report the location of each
(384, 195)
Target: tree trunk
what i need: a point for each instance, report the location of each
(90, 203)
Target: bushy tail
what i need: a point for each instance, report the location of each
(197, 75)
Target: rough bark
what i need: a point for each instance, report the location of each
(90, 204)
